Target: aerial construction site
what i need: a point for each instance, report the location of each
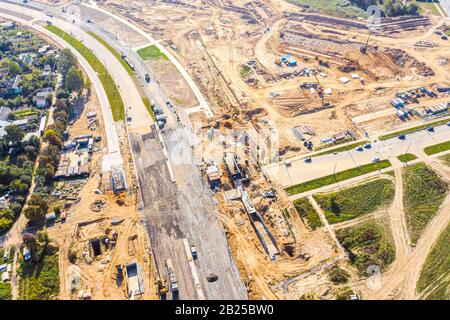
(260, 150)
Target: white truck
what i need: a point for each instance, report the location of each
(172, 277)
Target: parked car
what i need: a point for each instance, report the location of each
(402, 137)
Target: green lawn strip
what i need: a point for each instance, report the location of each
(130, 72)
(356, 201)
(307, 213)
(407, 157)
(341, 149)
(113, 51)
(40, 280)
(437, 263)
(24, 113)
(151, 52)
(368, 244)
(114, 98)
(149, 107)
(424, 192)
(339, 176)
(414, 129)
(437, 148)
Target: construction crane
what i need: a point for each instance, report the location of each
(364, 48)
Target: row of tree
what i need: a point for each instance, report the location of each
(53, 136)
(16, 170)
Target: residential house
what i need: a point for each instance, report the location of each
(21, 123)
(40, 99)
(43, 49)
(9, 25)
(2, 133)
(26, 58)
(15, 85)
(47, 70)
(4, 113)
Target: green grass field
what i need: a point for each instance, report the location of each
(436, 269)
(407, 157)
(424, 191)
(356, 201)
(338, 8)
(5, 291)
(151, 52)
(307, 213)
(414, 129)
(428, 7)
(114, 98)
(40, 281)
(339, 176)
(113, 51)
(368, 244)
(446, 159)
(437, 148)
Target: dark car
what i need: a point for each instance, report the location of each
(402, 137)
(212, 277)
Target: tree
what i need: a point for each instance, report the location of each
(412, 8)
(13, 134)
(52, 137)
(5, 223)
(18, 187)
(14, 69)
(31, 152)
(48, 172)
(66, 60)
(74, 80)
(36, 209)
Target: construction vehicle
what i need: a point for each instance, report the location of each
(194, 252)
(320, 89)
(162, 286)
(363, 49)
(172, 277)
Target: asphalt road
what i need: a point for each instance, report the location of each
(300, 171)
(171, 211)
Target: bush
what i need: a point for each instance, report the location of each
(72, 255)
(338, 275)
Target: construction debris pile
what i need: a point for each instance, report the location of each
(405, 60)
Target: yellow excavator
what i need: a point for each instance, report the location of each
(162, 286)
